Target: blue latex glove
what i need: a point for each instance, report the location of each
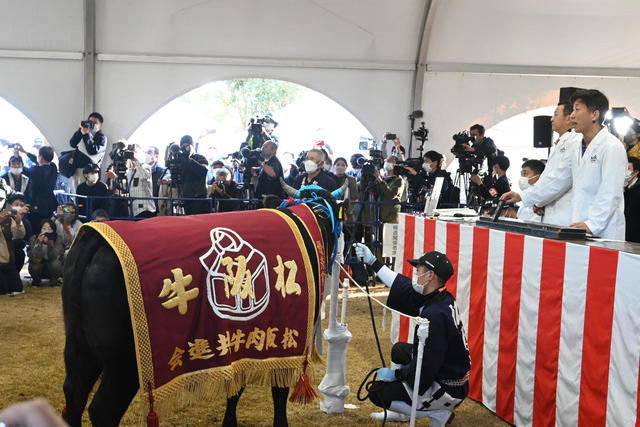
(386, 374)
(364, 253)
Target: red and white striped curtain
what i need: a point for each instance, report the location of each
(553, 327)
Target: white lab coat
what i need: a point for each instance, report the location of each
(526, 213)
(597, 178)
(559, 211)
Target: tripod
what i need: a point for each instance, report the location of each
(467, 189)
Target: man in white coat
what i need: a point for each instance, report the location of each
(559, 211)
(595, 173)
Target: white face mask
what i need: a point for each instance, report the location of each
(268, 126)
(148, 159)
(389, 166)
(523, 182)
(416, 287)
(92, 178)
(16, 171)
(426, 167)
(16, 208)
(628, 176)
(327, 167)
(310, 166)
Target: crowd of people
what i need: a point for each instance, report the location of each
(591, 191)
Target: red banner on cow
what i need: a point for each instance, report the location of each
(218, 301)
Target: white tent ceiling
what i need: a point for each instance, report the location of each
(486, 60)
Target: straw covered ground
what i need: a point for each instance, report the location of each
(32, 365)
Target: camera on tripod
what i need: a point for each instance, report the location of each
(469, 161)
(120, 153)
(250, 158)
(175, 159)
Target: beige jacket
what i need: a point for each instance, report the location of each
(18, 232)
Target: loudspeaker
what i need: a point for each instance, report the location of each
(542, 132)
(566, 93)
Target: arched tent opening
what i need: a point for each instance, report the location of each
(516, 140)
(16, 128)
(216, 116)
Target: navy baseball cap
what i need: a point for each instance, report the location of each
(436, 261)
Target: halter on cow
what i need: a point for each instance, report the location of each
(109, 264)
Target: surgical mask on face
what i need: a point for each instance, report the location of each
(340, 170)
(388, 166)
(327, 167)
(523, 182)
(16, 208)
(16, 171)
(148, 159)
(628, 175)
(92, 178)
(426, 167)
(268, 127)
(416, 287)
(310, 166)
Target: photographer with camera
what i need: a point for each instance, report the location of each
(268, 184)
(260, 130)
(67, 224)
(92, 187)
(314, 172)
(389, 189)
(89, 144)
(497, 185)
(222, 189)
(423, 181)
(46, 253)
(188, 171)
(151, 155)
(17, 202)
(397, 150)
(12, 228)
(482, 146)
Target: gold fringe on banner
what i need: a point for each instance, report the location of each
(210, 383)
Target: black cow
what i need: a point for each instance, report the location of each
(99, 336)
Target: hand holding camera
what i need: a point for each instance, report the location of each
(86, 126)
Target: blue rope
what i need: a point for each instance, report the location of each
(326, 208)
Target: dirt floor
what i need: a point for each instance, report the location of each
(32, 365)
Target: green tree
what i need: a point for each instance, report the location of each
(244, 98)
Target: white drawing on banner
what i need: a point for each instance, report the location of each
(237, 276)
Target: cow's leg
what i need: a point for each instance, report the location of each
(230, 419)
(82, 373)
(280, 395)
(117, 390)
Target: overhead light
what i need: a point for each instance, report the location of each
(619, 121)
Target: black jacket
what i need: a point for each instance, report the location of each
(322, 179)
(194, 176)
(446, 356)
(41, 185)
(268, 185)
(494, 189)
(157, 173)
(632, 212)
(94, 144)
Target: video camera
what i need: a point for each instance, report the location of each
(469, 161)
(250, 158)
(120, 153)
(175, 158)
(255, 136)
(401, 166)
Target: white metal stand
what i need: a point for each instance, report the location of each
(333, 386)
(423, 333)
